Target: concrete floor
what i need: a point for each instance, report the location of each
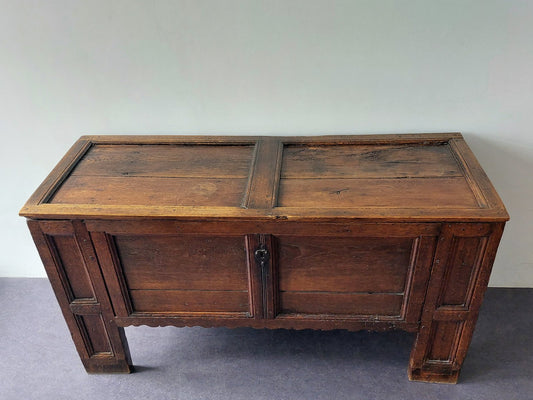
(38, 359)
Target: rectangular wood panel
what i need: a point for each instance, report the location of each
(340, 303)
(183, 262)
(341, 264)
(445, 340)
(73, 266)
(98, 341)
(463, 266)
(158, 175)
(184, 301)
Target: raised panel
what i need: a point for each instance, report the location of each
(97, 340)
(373, 175)
(72, 264)
(444, 342)
(357, 276)
(183, 273)
(462, 268)
(169, 175)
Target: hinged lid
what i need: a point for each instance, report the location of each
(378, 177)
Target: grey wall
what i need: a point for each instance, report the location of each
(69, 68)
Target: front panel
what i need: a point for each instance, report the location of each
(176, 274)
(366, 277)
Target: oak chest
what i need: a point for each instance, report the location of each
(351, 232)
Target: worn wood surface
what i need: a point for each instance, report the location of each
(329, 232)
(340, 264)
(327, 303)
(424, 177)
(183, 262)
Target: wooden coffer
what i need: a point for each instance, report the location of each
(328, 232)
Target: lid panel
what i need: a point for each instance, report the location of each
(422, 177)
(158, 175)
(378, 175)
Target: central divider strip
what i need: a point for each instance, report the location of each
(263, 184)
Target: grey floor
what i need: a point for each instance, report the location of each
(38, 360)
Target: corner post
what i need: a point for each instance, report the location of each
(459, 278)
(74, 273)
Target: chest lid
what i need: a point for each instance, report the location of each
(376, 177)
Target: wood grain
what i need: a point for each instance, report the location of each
(462, 271)
(463, 193)
(452, 192)
(368, 161)
(183, 262)
(341, 303)
(147, 191)
(189, 301)
(190, 161)
(343, 264)
(69, 256)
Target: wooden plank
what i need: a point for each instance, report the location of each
(422, 260)
(340, 303)
(279, 214)
(452, 192)
(404, 138)
(265, 175)
(242, 227)
(150, 191)
(172, 139)
(112, 272)
(189, 301)
(398, 138)
(183, 262)
(255, 278)
(193, 161)
(368, 161)
(344, 264)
